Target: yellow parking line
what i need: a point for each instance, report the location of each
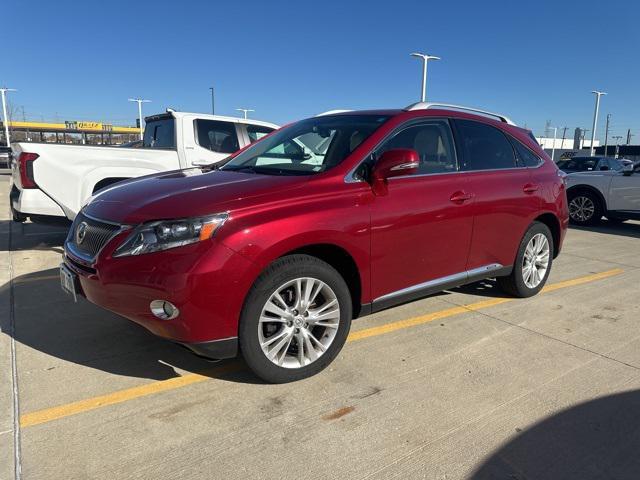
(54, 413)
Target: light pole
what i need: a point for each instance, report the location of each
(553, 145)
(245, 111)
(425, 59)
(606, 134)
(140, 101)
(5, 119)
(213, 103)
(595, 117)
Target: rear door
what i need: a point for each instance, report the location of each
(209, 141)
(505, 197)
(421, 228)
(624, 192)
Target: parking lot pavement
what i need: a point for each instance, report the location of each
(465, 384)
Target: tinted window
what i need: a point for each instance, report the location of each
(256, 132)
(485, 147)
(217, 136)
(160, 134)
(526, 156)
(578, 164)
(433, 143)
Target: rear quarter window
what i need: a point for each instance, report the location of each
(160, 133)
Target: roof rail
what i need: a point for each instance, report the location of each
(428, 105)
(331, 112)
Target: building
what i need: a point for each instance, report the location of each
(78, 132)
(549, 143)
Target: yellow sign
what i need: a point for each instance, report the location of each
(89, 126)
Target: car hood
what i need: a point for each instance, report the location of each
(184, 193)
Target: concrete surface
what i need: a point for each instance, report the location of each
(546, 388)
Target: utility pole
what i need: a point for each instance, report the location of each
(213, 102)
(606, 134)
(584, 135)
(629, 135)
(245, 111)
(140, 101)
(553, 145)
(564, 135)
(5, 119)
(425, 59)
(598, 94)
(617, 138)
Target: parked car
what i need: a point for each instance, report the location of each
(5, 157)
(613, 193)
(55, 180)
(275, 252)
(133, 144)
(590, 164)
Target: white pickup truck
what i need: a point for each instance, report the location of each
(55, 180)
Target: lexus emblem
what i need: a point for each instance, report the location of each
(81, 231)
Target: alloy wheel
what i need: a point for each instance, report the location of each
(581, 208)
(298, 322)
(535, 262)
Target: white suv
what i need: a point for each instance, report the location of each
(605, 187)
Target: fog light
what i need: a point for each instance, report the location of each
(164, 310)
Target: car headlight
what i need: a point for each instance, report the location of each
(165, 234)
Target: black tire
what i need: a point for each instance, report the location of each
(514, 284)
(576, 198)
(278, 273)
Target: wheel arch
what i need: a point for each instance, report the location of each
(344, 263)
(106, 182)
(553, 223)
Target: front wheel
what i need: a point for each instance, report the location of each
(295, 320)
(533, 263)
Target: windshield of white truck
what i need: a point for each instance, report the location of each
(160, 133)
(307, 147)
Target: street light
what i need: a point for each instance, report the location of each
(140, 101)
(245, 111)
(595, 117)
(425, 59)
(5, 119)
(213, 103)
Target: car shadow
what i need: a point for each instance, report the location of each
(597, 439)
(483, 288)
(626, 229)
(34, 236)
(47, 320)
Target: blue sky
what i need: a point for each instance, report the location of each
(534, 61)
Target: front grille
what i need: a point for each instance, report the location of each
(88, 236)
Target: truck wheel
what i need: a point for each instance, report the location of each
(533, 263)
(295, 320)
(585, 208)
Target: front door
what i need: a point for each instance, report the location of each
(421, 227)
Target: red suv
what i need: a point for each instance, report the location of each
(324, 220)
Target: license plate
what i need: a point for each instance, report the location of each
(68, 282)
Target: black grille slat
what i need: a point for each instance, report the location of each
(96, 236)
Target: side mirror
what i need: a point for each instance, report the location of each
(627, 169)
(393, 163)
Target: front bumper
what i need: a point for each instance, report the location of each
(207, 282)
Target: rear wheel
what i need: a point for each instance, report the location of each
(533, 263)
(295, 320)
(585, 208)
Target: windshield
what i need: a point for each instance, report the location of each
(307, 147)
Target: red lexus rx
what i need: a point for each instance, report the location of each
(333, 217)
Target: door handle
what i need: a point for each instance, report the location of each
(460, 197)
(530, 188)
